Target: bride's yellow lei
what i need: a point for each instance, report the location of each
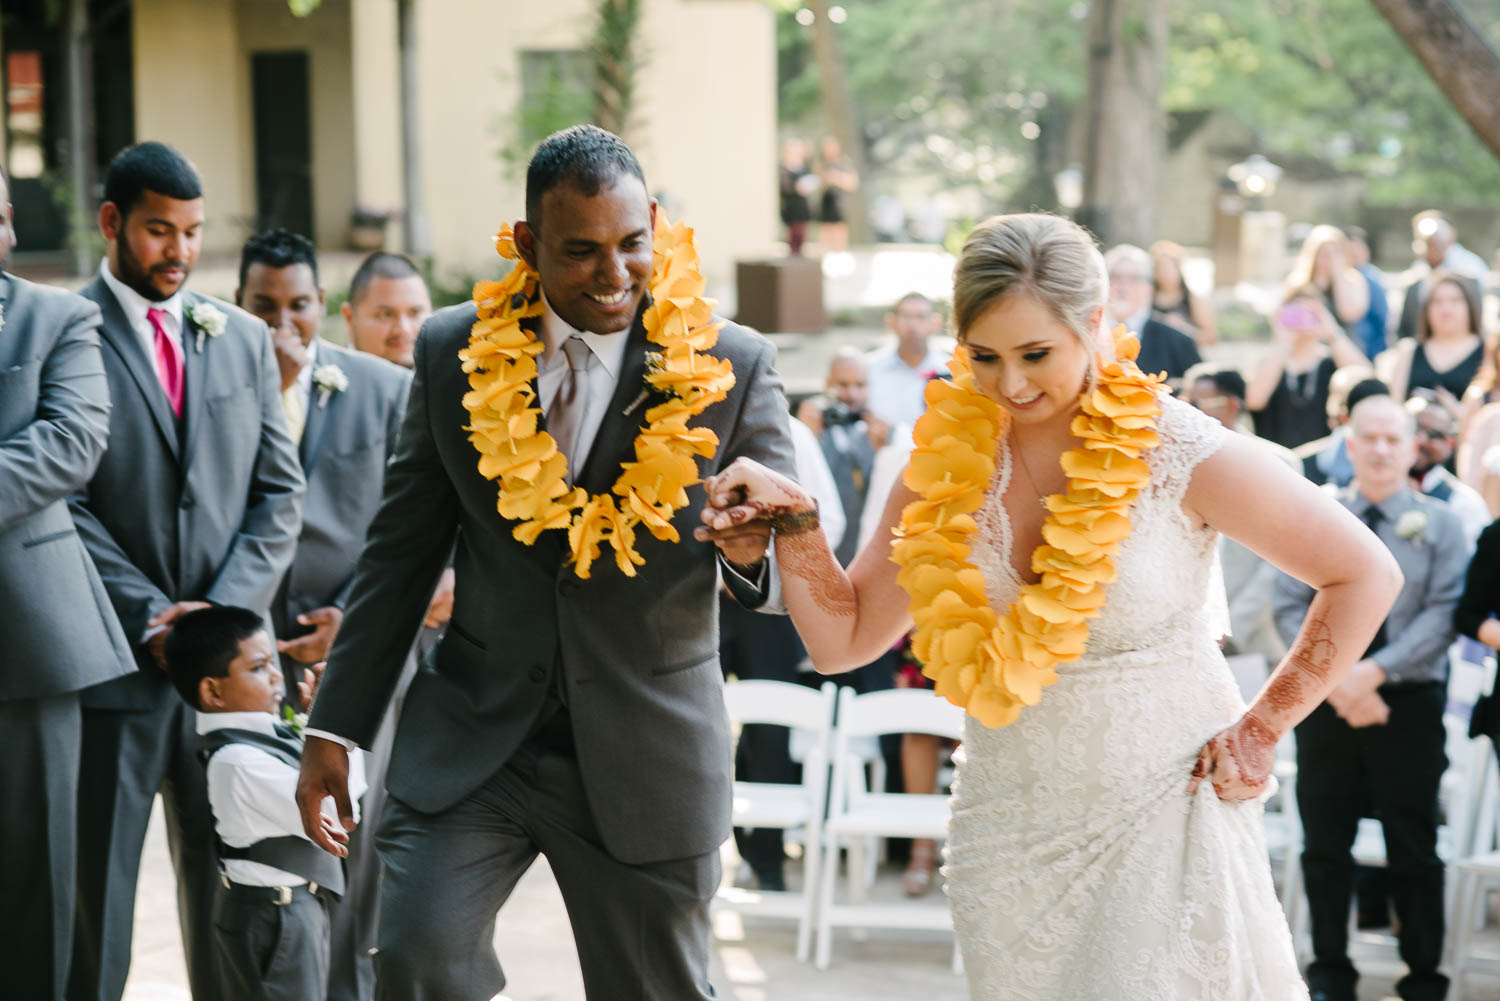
(500, 360)
(992, 665)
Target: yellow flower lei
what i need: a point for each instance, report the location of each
(990, 664)
(500, 360)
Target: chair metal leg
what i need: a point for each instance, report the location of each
(830, 867)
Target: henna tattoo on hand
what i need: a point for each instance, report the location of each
(1314, 651)
(806, 555)
(1287, 691)
(1307, 669)
(1252, 747)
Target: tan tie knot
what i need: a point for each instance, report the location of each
(578, 352)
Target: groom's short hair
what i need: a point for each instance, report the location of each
(150, 166)
(584, 156)
(278, 248)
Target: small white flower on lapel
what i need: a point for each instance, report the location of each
(329, 379)
(1412, 525)
(209, 319)
(655, 365)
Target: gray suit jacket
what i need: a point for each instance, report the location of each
(1419, 627)
(61, 633)
(207, 511)
(639, 655)
(343, 452)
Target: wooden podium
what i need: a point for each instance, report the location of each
(783, 295)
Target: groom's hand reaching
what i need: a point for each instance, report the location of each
(325, 772)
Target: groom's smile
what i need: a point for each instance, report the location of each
(592, 251)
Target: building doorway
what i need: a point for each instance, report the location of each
(283, 141)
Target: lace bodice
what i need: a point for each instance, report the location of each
(1075, 855)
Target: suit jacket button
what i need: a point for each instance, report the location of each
(187, 501)
(537, 675)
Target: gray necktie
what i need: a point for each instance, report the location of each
(565, 415)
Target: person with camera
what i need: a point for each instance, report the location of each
(1288, 394)
(849, 435)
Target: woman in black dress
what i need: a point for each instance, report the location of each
(1448, 349)
(1287, 396)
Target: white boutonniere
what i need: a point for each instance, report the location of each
(296, 721)
(329, 379)
(1412, 526)
(655, 365)
(209, 319)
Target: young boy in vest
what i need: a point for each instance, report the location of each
(271, 908)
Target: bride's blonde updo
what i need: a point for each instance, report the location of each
(1052, 259)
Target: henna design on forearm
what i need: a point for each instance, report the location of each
(1308, 666)
(806, 555)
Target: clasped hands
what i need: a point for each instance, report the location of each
(1357, 697)
(742, 500)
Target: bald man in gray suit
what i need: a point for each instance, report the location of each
(61, 634)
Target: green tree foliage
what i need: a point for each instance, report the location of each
(960, 88)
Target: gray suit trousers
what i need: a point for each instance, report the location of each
(356, 915)
(642, 930)
(38, 797)
(128, 757)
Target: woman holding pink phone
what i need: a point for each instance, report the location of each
(1288, 395)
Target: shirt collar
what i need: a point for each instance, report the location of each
(1389, 508)
(260, 722)
(136, 305)
(608, 348)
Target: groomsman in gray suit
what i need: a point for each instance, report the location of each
(580, 719)
(196, 502)
(61, 633)
(343, 409)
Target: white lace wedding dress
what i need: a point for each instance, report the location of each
(1079, 869)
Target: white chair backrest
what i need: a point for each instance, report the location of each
(898, 710)
(779, 703)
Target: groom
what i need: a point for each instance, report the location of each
(579, 719)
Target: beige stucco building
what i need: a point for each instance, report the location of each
(298, 119)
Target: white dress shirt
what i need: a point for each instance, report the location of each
(136, 305)
(897, 390)
(253, 795)
(606, 358)
(304, 379)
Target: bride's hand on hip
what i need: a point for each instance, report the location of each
(1238, 761)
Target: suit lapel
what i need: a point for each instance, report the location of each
(196, 369)
(612, 445)
(318, 413)
(117, 330)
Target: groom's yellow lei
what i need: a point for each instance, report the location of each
(503, 412)
(993, 665)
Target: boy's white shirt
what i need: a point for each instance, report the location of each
(254, 796)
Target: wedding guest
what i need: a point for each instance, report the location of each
(1368, 332)
(898, 373)
(837, 178)
(387, 305)
(1164, 348)
(1479, 605)
(1436, 243)
(798, 184)
(197, 501)
(1483, 390)
(1379, 737)
(1446, 353)
(1323, 265)
(1174, 301)
(849, 435)
(343, 409)
(1437, 431)
(1248, 578)
(1288, 392)
(272, 902)
(1326, 459)
(61, 633)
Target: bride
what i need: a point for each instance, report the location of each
(1053, 543)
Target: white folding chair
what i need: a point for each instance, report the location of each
(780, 805)
(1473, 876)
(856, 812)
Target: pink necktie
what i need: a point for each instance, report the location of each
(168, 360)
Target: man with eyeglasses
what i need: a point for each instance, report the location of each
(1437, 431)
(1164, 348)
